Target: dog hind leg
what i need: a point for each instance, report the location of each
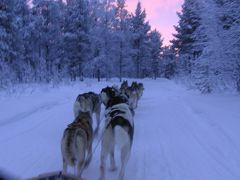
(64, 166)
(80, 163)
(97, 114)
(125, 153)
(89, 155)
(80, 166)
(107, 142)
(112, 160)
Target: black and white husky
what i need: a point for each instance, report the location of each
(76, 144)
(119, 128)
(88, 102)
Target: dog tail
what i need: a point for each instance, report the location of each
(121, 136)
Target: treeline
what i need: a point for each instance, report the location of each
(49, 40)
(52, 40)
(207, 45)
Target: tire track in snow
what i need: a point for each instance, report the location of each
(213, 152)
(23, 115)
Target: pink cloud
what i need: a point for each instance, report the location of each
(161, 14)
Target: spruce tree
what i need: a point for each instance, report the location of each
(185, 36)
(76, 38)
(122, 39)
(139, 40)
(7, 50)
(156, 43)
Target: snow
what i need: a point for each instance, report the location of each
(179, 134)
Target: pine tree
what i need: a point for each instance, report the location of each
(140, 41)
(122, 38)
(103, 40)
(47, 33)
(7, 52)
(168, 63)
(229, 23)
(185, 37)
(156, 43)
(21, 35)
(76, 39)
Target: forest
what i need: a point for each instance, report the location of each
(48, 41)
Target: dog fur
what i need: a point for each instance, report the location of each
(133, 97)
(89, 102)
(124, 86)
(119, 129)
(76, 144)
(138, 88)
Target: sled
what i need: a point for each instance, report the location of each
(58, 175)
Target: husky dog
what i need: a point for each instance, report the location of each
(118, 131)
(77, 142)
(140, 89)
(108, 93)
(124, 86)
(88, 102)
(133, 97)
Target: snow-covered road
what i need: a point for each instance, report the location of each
(179, 134)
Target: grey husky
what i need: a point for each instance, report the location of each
(88, 102)
(76, 144)
(118, 131)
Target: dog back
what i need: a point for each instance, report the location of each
(119, 118)
(74, 142)
(77, 138)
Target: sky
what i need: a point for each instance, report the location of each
(161, 15)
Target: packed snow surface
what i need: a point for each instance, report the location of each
(179, 134)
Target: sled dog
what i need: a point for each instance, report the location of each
(124, 86)
(76, 144)
(138, 88)
(88, 102)
(118, 130)
(132, 96)
(108, 93)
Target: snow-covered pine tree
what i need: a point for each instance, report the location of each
(200, 67)
(76, 37)
(55, 38)
(7, 52)
(168, 62)
(155, 43)
(22, 45)
(92, 68)
(102, 39)
(184, 38)
(229, 22)
(59, 70)
(47, 32)
(214, 63)
(140, 40)
(122, 39)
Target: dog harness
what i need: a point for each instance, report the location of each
(120, 121)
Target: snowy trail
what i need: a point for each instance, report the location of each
(24, 115)
(179, 134)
